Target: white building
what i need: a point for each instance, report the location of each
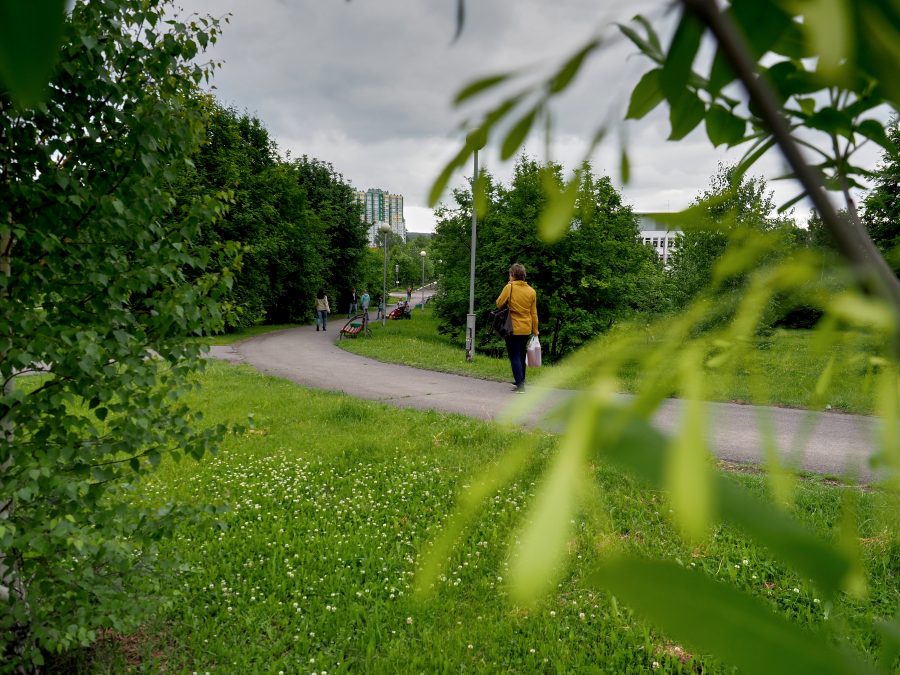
(658, 235)
(381, 207)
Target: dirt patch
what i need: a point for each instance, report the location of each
(676, 652)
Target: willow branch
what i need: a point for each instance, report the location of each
(850, 237)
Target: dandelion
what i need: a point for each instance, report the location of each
(409, 621)
(581, 616)
(552, 613)
(656, 665)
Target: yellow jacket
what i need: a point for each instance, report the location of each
(522, 307)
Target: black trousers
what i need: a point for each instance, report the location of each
(515, 348)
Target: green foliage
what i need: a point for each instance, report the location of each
(843, 109)
(814, 75)
(732, 207)
(404, 262)
(332, 202)
(29, 42)
(881, 213)
(99, 287)
(296, 220)
(586, 280)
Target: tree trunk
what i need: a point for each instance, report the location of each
(553, 342)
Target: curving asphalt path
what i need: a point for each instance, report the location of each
(829, 443)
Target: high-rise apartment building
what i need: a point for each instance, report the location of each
(380, 207)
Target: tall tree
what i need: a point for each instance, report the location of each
(332, 201)
(100, 288)
(593, 276)
(730, 204)
(881, 209)
(284, 243)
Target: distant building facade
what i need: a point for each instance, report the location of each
(380, 206)
(660, 236)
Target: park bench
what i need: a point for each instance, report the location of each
(358, 324)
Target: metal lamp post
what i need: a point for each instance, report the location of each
(423, 254)
(385, 230)
(470, 317)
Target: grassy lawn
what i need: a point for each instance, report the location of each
(333, 501)
(784, 362)
(417, 343)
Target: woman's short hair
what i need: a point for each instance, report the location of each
(517, 271)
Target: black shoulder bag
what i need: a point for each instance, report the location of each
(501, 321)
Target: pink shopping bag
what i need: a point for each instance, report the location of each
(533, 352)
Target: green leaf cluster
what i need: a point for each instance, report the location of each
(815, 76)
(101, 282)
(837, 94)
(296, 221)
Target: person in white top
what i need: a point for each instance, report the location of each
(322, 309)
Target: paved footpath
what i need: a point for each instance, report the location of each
(837, 442)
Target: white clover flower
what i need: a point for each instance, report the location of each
(409, 620)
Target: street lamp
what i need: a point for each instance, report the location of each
(477, 140)
(385, 230)
(423, 254)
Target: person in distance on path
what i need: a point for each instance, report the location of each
(523, 312)
(322, 309)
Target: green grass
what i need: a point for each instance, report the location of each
(334, 500)
(417, 343)
(784, 363)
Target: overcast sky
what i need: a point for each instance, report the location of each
(368, 86)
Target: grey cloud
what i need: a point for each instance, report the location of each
(367, 85)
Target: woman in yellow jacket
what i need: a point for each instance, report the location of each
(523, 311)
